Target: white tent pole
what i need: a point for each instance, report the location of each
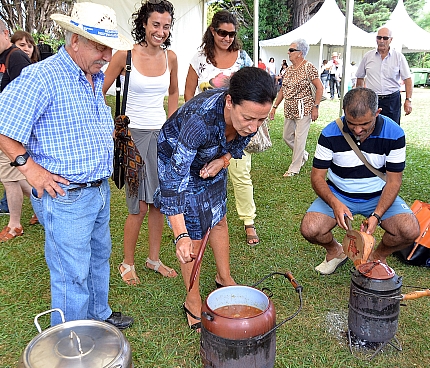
(256, 11)
(204, 16)
(346, 50)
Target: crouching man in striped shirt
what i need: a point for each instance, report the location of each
(346, 187)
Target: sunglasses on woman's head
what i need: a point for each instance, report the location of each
(385, 38)
(223, 33)
(155, 1)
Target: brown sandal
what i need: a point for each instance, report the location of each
(250, 238)
(128, 269)
(5, 234)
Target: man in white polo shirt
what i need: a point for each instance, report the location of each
(383, 69)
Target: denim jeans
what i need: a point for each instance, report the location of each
(3, 203)
(77, 250)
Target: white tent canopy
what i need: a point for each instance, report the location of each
(186, 33)
(407, 35)
(324, 32)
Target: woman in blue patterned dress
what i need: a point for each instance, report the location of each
(194, 149)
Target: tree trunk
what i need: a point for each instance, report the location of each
(32, 16)
(301, 10)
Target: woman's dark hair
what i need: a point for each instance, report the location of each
(251, 84)
(208, 44)
(19, 35)
(140, 18)
(358, 101)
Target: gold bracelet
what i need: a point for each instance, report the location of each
(226, 162)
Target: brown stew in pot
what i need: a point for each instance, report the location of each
(237, 311)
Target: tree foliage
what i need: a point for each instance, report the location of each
(371, 14)
(32, 16)
(274, 19)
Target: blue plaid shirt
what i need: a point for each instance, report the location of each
(63, 123)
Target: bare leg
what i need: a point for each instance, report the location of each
(219, 241)
(131, 233)
(193, 300)
(400, 231)
(316, 228)
(155, 228)
(15, 198)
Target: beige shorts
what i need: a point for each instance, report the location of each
(8, 173)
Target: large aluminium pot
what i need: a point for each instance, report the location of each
(77, 344)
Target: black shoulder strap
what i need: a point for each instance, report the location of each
(358, 152)
(118, 87)
(6, 63)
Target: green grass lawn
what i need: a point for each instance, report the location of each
(160, 336)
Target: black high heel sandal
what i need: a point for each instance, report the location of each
(196, 326)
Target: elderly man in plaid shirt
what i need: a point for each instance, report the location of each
(57, 130)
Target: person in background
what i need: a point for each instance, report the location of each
(195, 147)
(353, 78)
(25, 42)
(211, 67)
(261, 65)
(324, 75)
(271, 69)
(62, 142)
(334, 67)
(350, 188)
(12, 62)
(45, 50)
(383, 69)
(300, 107)
(154, 73)
(280, 76)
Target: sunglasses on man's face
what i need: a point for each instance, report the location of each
(385, 38)
(292, 50)
(223, 33)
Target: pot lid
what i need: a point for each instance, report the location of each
(376, 270)
(84, 343)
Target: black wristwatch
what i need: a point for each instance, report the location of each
(20, 160)
(377, 217)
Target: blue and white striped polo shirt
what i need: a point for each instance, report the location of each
(384, 149)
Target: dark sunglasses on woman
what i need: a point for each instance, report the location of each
(223, 33)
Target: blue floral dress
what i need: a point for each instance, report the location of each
(193, 136)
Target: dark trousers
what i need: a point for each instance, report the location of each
(334, 82)
(391, 106)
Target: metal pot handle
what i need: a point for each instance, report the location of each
(207, 316)
(36, 322)
(297, 287)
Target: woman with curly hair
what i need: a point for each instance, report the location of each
(218, 59)
(154, 72)
(25, 42)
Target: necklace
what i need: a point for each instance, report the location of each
(298, 66)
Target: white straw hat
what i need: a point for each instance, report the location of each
(95, 22)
